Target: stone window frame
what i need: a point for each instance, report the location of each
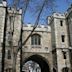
(61, 22)
(63, 38)
(35, 39)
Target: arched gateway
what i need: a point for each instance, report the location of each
(39, 60)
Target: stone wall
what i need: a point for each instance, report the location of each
(2, 24)
(45, 34)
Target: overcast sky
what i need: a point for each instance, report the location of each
(60, 6)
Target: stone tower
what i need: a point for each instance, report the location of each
(13, 31)
(2, 26)
(60, 46)
(50, 46)
(10, 27)
(69, 25)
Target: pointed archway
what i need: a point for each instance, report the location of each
(39, 60)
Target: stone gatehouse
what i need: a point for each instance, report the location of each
(49, 45)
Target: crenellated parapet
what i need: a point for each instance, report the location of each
(55, 15)
(13, 11)
(58, 15)
(3, 4)
(39, 28)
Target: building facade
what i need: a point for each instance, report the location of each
(50, 46)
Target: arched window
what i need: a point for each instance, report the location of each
(9, 54)
(65, 69)
(35, 39)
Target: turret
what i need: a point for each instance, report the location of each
(3, 14)
(60, 46)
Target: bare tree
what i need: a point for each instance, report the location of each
(39, 9)
(3, 46)
(20, 41)
(24, 8)
(35, 25)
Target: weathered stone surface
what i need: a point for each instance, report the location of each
(2, 24)
(51, 48)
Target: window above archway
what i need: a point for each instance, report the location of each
(36, 62)
(35, 39)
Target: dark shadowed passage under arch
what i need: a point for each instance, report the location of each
(39, 60)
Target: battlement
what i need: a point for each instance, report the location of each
(3, 4)
(13, 11)
(55, 15)
(69, 10)
(29, 27)
(58, 15)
